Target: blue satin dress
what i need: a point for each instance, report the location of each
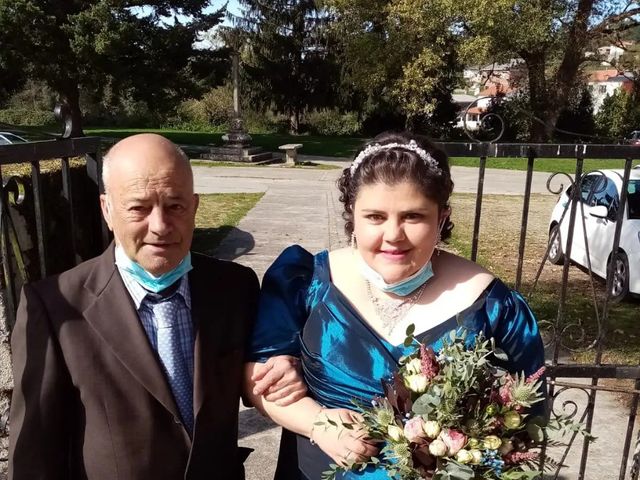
(302, 313)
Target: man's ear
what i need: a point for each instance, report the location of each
(196, 200)
(106, 209)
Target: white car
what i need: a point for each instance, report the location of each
(600, 198)
(7, 138)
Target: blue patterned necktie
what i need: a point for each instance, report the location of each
(175, 364)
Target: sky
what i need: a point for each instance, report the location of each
(233, 7)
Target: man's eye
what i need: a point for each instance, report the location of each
(177, 207)
(137, 208)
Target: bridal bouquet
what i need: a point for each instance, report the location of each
(457, 416)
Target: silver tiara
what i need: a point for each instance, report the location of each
(374, 148)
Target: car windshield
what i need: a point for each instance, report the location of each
(13, 138)
(633, 199)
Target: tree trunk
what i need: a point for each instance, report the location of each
(539, 97)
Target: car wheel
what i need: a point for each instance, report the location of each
(620, 284)
(555, 250)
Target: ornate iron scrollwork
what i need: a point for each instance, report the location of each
(484, 123)
(62, 113)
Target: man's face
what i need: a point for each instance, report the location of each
(150, 207)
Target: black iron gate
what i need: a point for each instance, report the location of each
(568, 379)
(564, 375)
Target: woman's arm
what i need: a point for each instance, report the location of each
(344, 445)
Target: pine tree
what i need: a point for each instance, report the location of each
(288, 61)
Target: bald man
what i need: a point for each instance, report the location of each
(129, 365)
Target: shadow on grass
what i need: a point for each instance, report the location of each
(224, 242)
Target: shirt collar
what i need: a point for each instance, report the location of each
(138, 292)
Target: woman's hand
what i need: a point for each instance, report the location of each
(279, 380)
(344, 445)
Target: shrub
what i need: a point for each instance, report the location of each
(332, 122)
(24, 116)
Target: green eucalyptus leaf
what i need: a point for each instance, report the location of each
(500, 354)
(535, 432)
(411, 329)
(458, 471)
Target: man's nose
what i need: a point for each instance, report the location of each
(159, 222)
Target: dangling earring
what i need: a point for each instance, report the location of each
(439, 237)
(352, 243)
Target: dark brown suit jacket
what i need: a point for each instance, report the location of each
(90, 399)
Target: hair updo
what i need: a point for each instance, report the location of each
(397, 165)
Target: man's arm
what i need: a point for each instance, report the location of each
(39, 429)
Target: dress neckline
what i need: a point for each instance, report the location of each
(324, 274)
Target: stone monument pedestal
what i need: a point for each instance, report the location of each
(237, 147)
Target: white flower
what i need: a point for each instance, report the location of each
(395, 433)
(437, 448)
(431, 428)
(464, 456)
(416, 383)
(477, 456)
(414, 366)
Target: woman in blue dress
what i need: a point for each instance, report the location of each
(344, 313)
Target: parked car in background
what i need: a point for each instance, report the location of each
(7, 138)
(634, 138)
(600, 198)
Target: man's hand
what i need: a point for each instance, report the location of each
(279, 380)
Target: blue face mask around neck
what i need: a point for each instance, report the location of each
(403, 287)
(147, 280)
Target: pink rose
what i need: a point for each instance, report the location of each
(453, 439)
(414, 431)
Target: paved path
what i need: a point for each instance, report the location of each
(301, 206)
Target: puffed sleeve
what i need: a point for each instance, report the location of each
(514, 327)
(282, 309)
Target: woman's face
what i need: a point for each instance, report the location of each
(396, 228)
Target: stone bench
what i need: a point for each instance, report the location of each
(291, 152)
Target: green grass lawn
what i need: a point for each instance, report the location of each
(347, 146)
(540, 165)
(218, 214)
(498, 247)
(312, 144)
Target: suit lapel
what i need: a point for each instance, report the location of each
(204, 298)
(113, 316)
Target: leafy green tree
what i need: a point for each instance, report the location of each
(399, 53)
(402, 46)
(287, 58)
(576, 121)
(141, 49)
(619, 115)
(551, 38)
